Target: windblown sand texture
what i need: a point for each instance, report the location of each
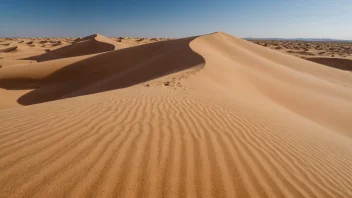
(206, 116)
(334, 54)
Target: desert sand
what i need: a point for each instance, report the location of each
(334, 54)
(205, 116)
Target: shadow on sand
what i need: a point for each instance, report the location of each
(109, 71)
(338, 63)
(75, 49)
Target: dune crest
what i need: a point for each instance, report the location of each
(207, 116)
(8, 49)
(77, 76)
(265, 75)
(84, 46)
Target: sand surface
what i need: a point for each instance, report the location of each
(206, 116)
(334, 54)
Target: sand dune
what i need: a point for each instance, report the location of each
(19, 51)
(108, 71)
(8, 49)
(339, 63)
(10, 62)
(334, 54)
(5, 44)
(84, 46)
(208, 116)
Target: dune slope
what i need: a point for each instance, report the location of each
(344, 64)
(65, 78)
(246, 122)
(88, 45)
(8, 49)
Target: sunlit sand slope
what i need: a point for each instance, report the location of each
(246, 122)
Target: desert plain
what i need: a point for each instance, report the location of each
(204, 116)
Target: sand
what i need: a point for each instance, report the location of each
(335, 54)
(206, 116)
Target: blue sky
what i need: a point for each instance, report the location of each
(162, 18)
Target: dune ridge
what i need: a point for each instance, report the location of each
(56, 79)
(208, 116)
(273, 77)
(83, 46)
(8, 49)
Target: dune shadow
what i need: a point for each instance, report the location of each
(109, 71)
(338, 63)
(8, 49)
(75, 49)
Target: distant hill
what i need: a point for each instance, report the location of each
(300, 39)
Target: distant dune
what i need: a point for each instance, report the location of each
(206, 116)
(339, 63)
(64, 78)
(334, 54)
(8, 49)
(84, 46)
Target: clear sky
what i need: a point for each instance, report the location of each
(177, 18)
